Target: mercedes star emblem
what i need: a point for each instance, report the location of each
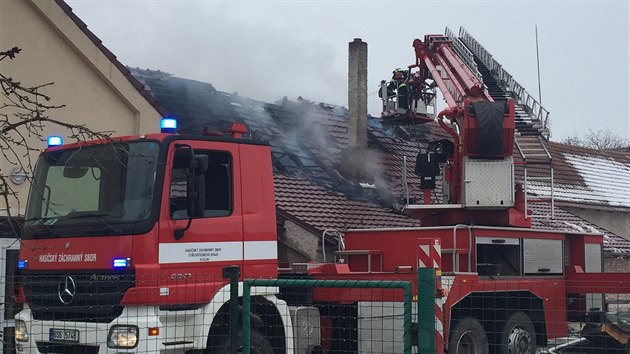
(66, 290)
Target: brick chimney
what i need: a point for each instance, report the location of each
(357, 94)
(358, 162)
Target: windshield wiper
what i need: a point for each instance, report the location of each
(107, 226)
(85, 214)
(36, 222)
(47, 233)
(100, 217)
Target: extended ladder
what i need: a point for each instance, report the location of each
(537, 171)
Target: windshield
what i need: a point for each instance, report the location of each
(103, 184)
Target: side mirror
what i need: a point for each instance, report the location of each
(196, 166)
(74, 172)
(197, 186)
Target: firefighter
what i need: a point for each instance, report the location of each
(399, 82)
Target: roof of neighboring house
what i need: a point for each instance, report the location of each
(565, 221)
(307, 143)
(587, 177)
(112, 58)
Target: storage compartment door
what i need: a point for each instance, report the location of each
(593, 264)
(542, 256)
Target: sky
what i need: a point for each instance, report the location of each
(267, 50)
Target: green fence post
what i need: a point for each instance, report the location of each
(246, 315)
(407, 318)
(426, 311)
(232, 273)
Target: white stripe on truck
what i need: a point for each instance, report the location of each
(216, 251)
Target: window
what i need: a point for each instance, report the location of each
(108, 183)
(498, 256)
(217, 183)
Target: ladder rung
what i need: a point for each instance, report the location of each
(546, 216)
(538, 162)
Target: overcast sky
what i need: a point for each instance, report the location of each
(270, 49)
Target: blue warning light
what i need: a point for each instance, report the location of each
(168, 125)
(54, 140)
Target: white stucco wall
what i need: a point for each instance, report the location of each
(93, 90)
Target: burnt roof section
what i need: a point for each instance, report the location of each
(112, 58)
(307, 140)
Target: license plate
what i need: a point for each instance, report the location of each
(64, 335)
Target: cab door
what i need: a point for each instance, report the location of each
(214, 238)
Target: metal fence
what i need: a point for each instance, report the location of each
(495, 312)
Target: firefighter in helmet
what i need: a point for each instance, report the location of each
(399, 82)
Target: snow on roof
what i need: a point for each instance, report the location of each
(585, 177)
(607, 181)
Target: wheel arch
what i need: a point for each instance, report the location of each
(265, 317)
(493, 307)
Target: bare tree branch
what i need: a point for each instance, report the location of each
(24, 114)
(11, 53)
(600, 139)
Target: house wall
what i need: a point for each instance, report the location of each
(616, 264)
(307, 242)
(617, 302)
(617, 222)
(304, 240)
(94, 91)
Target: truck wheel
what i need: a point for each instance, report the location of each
(468, 337)
(259, 344)
(518, 336)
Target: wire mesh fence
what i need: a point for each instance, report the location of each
(86, 312)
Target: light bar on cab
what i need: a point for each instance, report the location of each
(168, 125)
(22, 264)
(54, 140)
(121, 263)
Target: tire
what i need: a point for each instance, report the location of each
(468, 337)
(518, 335)
(258, 344)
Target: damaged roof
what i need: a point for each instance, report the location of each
(307, 142)
(306, 138)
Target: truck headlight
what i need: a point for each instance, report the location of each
(123, 336)
(21, 332)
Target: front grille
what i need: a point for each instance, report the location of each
(46, 347)
(96, 296)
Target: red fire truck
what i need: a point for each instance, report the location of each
(125, 241)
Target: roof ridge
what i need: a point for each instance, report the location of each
(111, 57)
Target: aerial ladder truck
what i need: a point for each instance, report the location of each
(136, 263)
